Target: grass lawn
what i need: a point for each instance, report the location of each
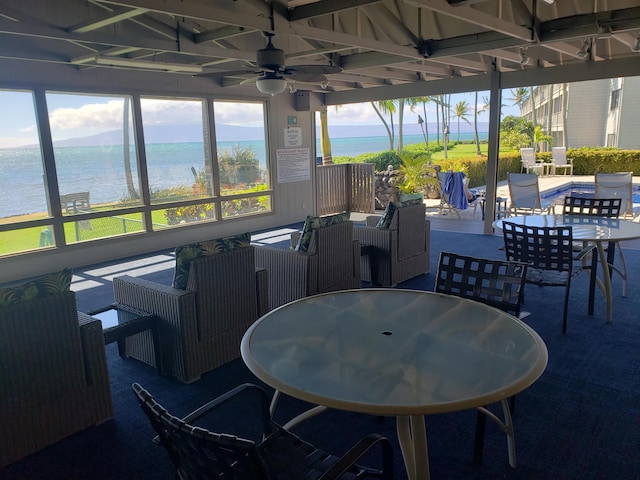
(465, 150)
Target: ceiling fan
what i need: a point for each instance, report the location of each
(271, 74)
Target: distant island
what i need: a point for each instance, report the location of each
(229, 133)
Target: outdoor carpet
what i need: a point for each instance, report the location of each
(580, 420)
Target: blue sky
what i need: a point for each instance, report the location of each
(74, 116)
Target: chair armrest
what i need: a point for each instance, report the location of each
(375, 237)
(173, 305)
(372, 220)
(291, 274)
(244, 389)
(357, 451)
(95, 362)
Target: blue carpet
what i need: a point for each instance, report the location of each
(580, 420)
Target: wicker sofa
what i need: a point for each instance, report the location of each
(201, 326)
(331, 262)
(53, 374)
(398, 252)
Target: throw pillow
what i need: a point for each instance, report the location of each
(186, 253)
(313, 223)
(387, 216)
(46, 285)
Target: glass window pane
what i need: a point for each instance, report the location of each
(241, 146)
(94, 150)
(176, 216)
(26, 239)
(83, 230)
(176, 144)
(246, 206)
(22, 182)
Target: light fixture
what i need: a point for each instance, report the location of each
(133, 63)
(524, 59)
(636, 44)
(271, 83)
(584, 49)
(550, 2)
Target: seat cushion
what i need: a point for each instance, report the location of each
(313, 223)
(50, 284)
(186, 253)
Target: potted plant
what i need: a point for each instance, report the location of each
(417, 177)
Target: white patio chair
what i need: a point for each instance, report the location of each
(525, 195)
(616, 185)
(529, 162)
(559, 160)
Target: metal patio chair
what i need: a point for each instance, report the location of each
(497, 283)
(262, 450)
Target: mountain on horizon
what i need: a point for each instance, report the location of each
(230, 133)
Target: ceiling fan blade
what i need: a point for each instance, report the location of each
(312, 69)
(249, 80)
(229, 73)
(310, 73)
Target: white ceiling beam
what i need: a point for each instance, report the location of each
(475, 17)
(107, 19)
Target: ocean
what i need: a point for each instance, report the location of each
(100, 170)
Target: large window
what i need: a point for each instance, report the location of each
(241, 153)
(23, 191)
(96, 163)
(95, 180)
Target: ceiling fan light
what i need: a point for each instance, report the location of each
(271, 84)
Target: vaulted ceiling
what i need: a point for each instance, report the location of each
(370, 43)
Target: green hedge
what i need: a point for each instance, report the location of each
(586, 161)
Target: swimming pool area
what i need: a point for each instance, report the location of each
(558, 192)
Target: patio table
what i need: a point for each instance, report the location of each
(402, 353)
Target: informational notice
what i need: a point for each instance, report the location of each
(292, 136)
(293, 165)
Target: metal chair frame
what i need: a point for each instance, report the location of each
(600, 207)
(497, 283)
(198, 453)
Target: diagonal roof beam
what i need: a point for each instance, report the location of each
(475, 17)
(107, 19)
(221, 33)
(323, 8)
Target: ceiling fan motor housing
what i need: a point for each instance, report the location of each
(270, 58)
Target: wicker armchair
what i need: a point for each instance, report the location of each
(53, 374)
(398, 253)
(201, 326)
(332, 262)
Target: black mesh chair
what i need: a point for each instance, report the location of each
(496, 283)
(277, 454)
(600, 207)
(548, 253)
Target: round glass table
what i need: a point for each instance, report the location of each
(395, 352)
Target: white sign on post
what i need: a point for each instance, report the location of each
(293, 165)
(292, 136)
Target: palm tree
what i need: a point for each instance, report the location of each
(133, 194)
(422, 121)
(460, 111)
(519, 96)
(386, 106)
(325, 141)
(401, 103)
(485, 107)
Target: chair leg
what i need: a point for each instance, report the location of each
(565, 310)
(478, 445)
(592, 282)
